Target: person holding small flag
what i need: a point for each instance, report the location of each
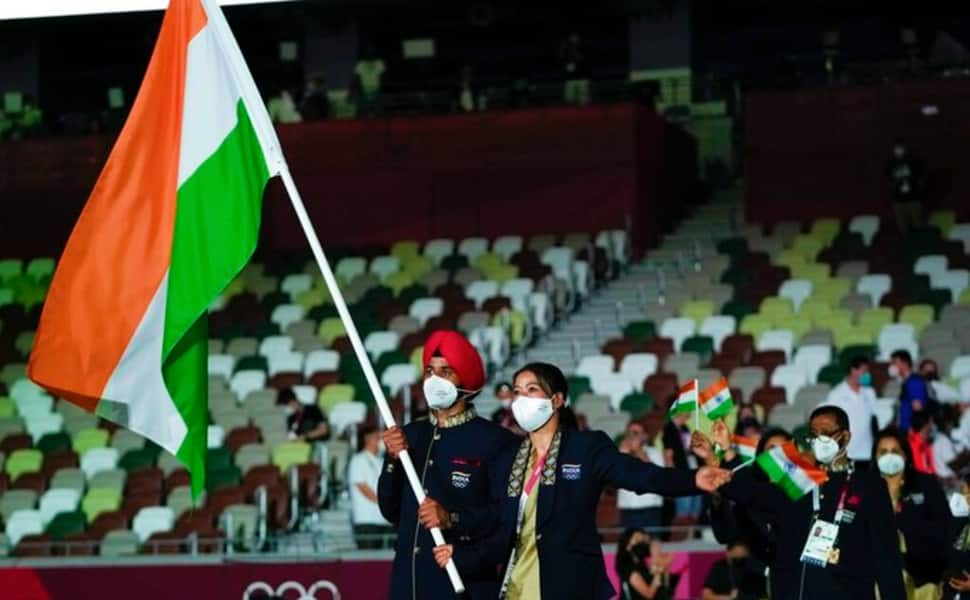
(548, 537)
(834, 525)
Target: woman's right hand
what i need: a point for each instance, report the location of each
(443, 553)
(701, 446)
(394, 441)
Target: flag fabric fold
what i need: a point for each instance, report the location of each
(787, 469)
(172, 219)
(716, 401)
(686, 401)
(746, 447)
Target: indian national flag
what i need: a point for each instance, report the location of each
(746, 447)
(686, 401)
(787, 469)
(172, 219)
(715, 400)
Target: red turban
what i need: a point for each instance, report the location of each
(462, 357)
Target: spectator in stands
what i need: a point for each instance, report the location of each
(561, 535)
(950, 455)
(677, 454)
(907, 178)
(363, 473)
(640, 511)
(468, 97)
(305, 422)
(867, 538)
(748, 427)
(938, 391)
(282, 108)
(920, 438)
(316, 102)
(856, 397)
(922, 514)
(367, 84)
(455, 450)
(575, 71)
(638, 579)
(914, 396)
(503, 415)
(737, 576)
(956, 579)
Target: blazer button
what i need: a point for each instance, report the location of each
(430, 461)
(538, 536)
(417, 549)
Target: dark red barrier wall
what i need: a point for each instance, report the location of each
(821, 153)
(378, 181)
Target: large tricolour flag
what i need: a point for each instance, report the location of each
(172, 219)
(787, 469)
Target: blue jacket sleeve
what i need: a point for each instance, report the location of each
(630, 473)
(885, 543)
(492, 550)
(390, 486)
(747, 490)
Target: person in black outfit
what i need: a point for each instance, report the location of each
(733, 522)
(907, 177)
(454, 453)
(316, 102)
(922, 513)
(867, 542)
(639, 581)
(737, 576)
(956, 579)
(556, 542)
(304, 421)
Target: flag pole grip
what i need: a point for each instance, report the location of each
(375, 387)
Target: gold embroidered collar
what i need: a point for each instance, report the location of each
(454, 420)
(521, 464)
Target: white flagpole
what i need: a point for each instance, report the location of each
(697, 405)
(361, 353)
(276, 164)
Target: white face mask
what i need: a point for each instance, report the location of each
(890, 464)
(958, 506)
(825, 449)
(531, 413)
(439, 392)
(289, 411)
(893, 372)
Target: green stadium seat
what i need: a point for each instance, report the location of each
(639, 331)
(701, 345)
(27, 460)
(218, 459)
(289, 454)
(334, 394)
(138, 459)
(54, 442)
(100, 500)
(220, 478)
(90, 438)
(848, 353)
(66, 524)
(738, 309)
(578, 385)
(636, 404)
(832, 374)
(732, 246)
(252, 363)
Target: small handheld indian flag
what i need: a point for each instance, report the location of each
(746, 447)
(716, 401)
(787, 469)
(686, 401)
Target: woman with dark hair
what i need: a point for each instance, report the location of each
(922, 514)
(639, 580)
(548, 538)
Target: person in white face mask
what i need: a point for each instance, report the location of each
(454, 452)
(922, 515)
(553, 480)
(854, 504)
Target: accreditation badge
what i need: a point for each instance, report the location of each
(820, 547)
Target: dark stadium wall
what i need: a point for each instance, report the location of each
(821, 153)
(377, 181)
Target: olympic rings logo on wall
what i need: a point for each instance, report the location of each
(293, 586)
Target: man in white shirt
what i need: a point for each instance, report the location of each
(857, 398)
(643, 511)
(370, 527)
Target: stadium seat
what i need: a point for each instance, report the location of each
(286, 314)
(931, 264)
(636, 367)
(396, 377)
(473, 247)
(109, 479)
(98, 459)
(90, 438)
(23, 523)
(244, 382)
(684, 366)
(57, 501)
(776, 339)
(68, 479)
(795, 290)
(345, 415)
(613, 385)
(438, 249)
(875, 285)
(594, 366)
(960, 367)
(289, 454)
(697, 310)
(678, 329)
(789, 377)
(349, 268)
(100, 500)
(384, 266)
(718, 327)
(423, 309)
(23, 461)
(119, 543)
(151, 520)
(334, 394)
(810, 359)
(747, 379)
(960, 232)
(65, 525)
(954, 280)
(42, 424)
(917, 315)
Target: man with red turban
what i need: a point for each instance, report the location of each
(453, 451)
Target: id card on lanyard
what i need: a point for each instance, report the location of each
(527, 490)
(821, 546)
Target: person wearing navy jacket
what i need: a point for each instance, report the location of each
(550, 486)
(453, 452)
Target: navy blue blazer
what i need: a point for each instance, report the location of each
(570, 555)
(457, 464)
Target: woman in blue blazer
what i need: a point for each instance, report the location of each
(548, 538)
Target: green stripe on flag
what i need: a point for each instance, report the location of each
(779, 476)
(216, 229)
(723, 410)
